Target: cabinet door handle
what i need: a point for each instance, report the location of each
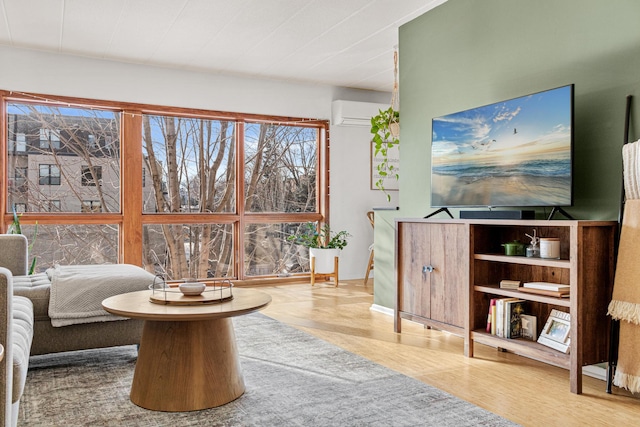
(427, 268)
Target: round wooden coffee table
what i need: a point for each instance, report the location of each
(188, 358)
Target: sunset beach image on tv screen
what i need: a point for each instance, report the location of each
(510, 153)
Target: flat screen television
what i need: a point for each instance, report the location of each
(515, 153)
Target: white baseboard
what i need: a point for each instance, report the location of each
(596, 371)
(382, 309)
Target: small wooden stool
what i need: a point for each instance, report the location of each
(325, 276)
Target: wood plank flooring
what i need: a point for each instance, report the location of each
(525, 391)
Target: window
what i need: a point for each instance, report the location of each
(53, 205)
(280, 164)
(217, 194)
(49, 139)
(49, 175)
(68, 244)
(91, 206)
(20, 176)
(21, 142)
(78, 172)
(20, 207)
(91, 175)
(194, 162)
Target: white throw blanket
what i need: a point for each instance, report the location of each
(631, 169)
(77, 291)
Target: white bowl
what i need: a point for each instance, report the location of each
(192, 288)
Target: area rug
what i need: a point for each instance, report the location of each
(291, 378)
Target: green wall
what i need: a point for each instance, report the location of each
(468, 53)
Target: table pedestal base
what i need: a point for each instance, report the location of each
(187, 366)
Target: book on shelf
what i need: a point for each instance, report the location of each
(499, 316)
(513, 309)
(547, 286)
(564, 293)
(529, 327)
(492, 308)
(500, 321)
(492, 304)
(509, 284)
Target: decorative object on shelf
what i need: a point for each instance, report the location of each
(550, 247)
(385, 128)
(190, 292)
(555, 333)
(533, 250)
(514, 248)
(528, 324)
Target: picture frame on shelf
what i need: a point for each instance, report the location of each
(529, 327)
(555, 333)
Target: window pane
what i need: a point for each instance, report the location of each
(20, 176)
(181, 251)
(268, 252)
(59, 145)
(72, 244)
(280, 168)
(190, 164)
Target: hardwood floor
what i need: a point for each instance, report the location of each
(525, 391)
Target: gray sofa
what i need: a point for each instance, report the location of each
(16, 334)
(26, 326)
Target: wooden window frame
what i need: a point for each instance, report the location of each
(131, 218)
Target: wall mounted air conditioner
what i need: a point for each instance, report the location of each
(353, 113)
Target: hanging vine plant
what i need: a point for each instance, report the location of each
(385, 128)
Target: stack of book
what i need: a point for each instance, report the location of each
(546, 288)
(503, 319)
(509, 284)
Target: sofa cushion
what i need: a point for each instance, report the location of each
(22, 338)
(37, 288)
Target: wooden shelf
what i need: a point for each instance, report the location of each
(496, 290)
(561, 263)
(530, 349)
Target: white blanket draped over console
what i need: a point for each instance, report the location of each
(77, 291)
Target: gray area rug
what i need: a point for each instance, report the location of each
(291, 378)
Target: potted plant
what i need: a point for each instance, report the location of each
(323, 245)
(15, 228)
(385, 128)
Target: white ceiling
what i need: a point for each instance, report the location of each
(346, 43)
